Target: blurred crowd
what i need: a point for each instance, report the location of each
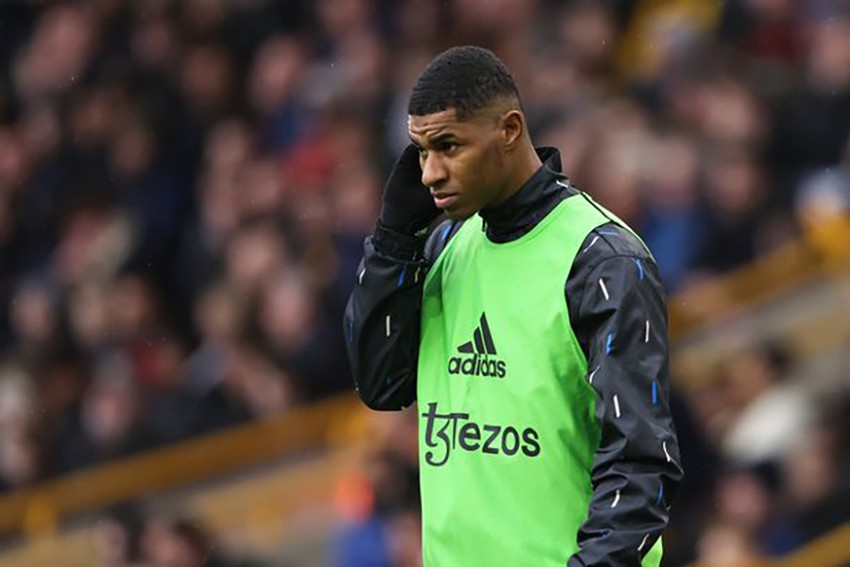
(126, 537)
(185, 187)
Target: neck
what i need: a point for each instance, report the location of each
(526, 164)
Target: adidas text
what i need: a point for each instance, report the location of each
(477, 366)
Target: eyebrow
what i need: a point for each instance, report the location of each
(440, 138)
(443, 138)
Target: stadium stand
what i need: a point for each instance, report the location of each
(184, 190)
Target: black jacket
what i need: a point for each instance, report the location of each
(636, 468)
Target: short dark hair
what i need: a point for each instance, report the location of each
(466, 78)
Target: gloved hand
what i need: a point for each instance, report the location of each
(407, 206)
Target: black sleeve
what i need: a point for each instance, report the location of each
(618, 311)
(382, 318)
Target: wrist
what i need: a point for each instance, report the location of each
(398, 245)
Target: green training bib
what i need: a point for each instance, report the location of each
(507, 429)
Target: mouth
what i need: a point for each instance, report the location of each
(444, 200)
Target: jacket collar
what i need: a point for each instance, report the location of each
(534, 200)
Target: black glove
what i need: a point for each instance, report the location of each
(407, 206)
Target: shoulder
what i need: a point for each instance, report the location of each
(610, 241)
(611, 250)
(607, 237)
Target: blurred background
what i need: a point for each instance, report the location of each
(184, 191)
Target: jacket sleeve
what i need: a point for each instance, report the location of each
(618, 311)
(382, 318)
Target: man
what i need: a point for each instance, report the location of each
(530, 328)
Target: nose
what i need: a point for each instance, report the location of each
(434, 172)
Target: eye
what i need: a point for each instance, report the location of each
(448, 147)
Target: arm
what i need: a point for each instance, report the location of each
(382, 318)
(621, 324)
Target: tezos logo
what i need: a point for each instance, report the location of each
(446, 431)
(483, 351)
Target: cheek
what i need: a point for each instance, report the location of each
(480, 167)
(488, 170)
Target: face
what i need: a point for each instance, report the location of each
(463, 161)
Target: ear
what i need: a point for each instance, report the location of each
(513, 127)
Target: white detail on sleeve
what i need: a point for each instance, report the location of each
(592, 242)
(616, 499)
(643, 542)
(604, 289)
(616, 406)
(388, 325)
(360, 277)
(666, 454)
(646, 335)
(590, 378)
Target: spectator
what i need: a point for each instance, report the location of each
(178, 543)
(759, 391)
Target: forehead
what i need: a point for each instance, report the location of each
(443, 122)
(429, 124)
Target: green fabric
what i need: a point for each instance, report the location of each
(507, 428)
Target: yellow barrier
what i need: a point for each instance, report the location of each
(264, 511)
(830, 550)
(821, 253)
(40, 509)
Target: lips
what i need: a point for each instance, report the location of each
(444, 200)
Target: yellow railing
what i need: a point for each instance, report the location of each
(738, 311)
(820, 253)
(40, 509)
(277, 507)
(830, 550)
